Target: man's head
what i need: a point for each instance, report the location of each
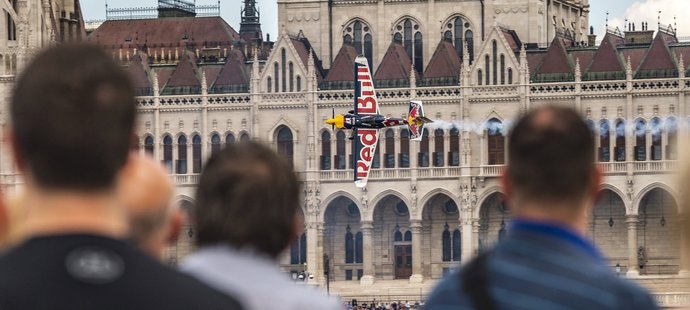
(145, 190)
(72, 117)
(551, 160)
(247, 197)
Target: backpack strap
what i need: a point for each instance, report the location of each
(475, 284)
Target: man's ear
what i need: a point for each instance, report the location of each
(175, 225)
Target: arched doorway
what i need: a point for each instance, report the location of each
(493, 220)
(342, 239)
(393, 239)
(608, 229)
(440, 218)
(658, 234)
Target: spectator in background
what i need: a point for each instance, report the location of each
(73, 113)
(545, 262)
(145, 190)
(246, 216)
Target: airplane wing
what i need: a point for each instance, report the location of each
(365, 147)
(366, 102)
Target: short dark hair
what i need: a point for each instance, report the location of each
(551, 155)
(73, 113)
(248, 196)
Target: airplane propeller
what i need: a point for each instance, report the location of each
(332, 117)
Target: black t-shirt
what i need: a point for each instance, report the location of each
(93, 272)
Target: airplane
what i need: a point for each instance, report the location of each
(366, 120)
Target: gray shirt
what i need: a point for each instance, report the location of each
(254, 279)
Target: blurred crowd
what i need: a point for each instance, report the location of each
(90, 226)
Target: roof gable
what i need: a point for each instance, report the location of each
(556, 65)
(184, 79)
(139, 77)
(233, 77)
(445, 62)
(606, 63)
(395, 65)
(658, 61)
(342, 68)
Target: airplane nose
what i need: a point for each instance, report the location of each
(330, 121)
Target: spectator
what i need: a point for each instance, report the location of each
(545, 261)
(145, 190)
(246, 216)
(72, 116)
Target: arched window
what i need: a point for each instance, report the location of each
(469, 39)
(672, 138)
(439, 148)
(148, 145)
(390, 149)
(376, 161)
(181, 167)
(349, 246)
(480, 79)
(620, 140)
(215, 144)
(408, 32)
(604, 141)
(196, 154)
(655, 128)
(276, 74)
(495, 61)
(244, 137)
(487, 67)
(340, 150)
(423, 158)
(640, 140)
(503, 69)
(358, 34)
(510, 76)
(455, 33)
(446, 244)
(283, 74)
(168, 153)
(11, 27)
(359, 248)
(291, 77)
(454, 152)
(408, 236)
(285, 143)
(457, 241)
(269, 85)
(495, 142)
(299, 83)
(298, 250)
(229, 138)
(397, 236)
(404, 160)
(325, 150)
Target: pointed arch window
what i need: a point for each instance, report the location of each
(457, 241)
(285, 143)
(215, 144)
(495, 142)
(408, 236)
(269, 84)
(291, 77)
(340, 159)
(181, 167)
(469, 39)
(276, 74)
(423, 158)
(358, 34)
(404, 159)
(389, 161)
(510, 76)
(620, 141)
(397, 236)
(454, 152)
(494, 48)
(349, 246)
(229, 138)
(299, 83)
(244, 137)
(196, 154)
(446, 244)
(655, 128)
(283, 78)
(359, 248)
(487, 67)
(168, 153)
(376, 161)
(457, 30)
(479, 77)
(672, 138)
(604, 141)
(640, 140)
(439, 147)
(325, 150)
(298, 250)
(409, 33)
(148, 145)
(503, 69)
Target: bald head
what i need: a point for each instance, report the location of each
(145, 190)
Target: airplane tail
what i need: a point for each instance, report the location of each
(416, 120)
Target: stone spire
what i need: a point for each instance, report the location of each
(250, 25)
(628, 68)
(578, 73)
(681, 67)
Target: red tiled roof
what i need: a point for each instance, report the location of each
(163, 75)
(636, 55)
(444, 63)
(342, 68)
(533, 60)
(137, 73)
(668, 38)
(395, 64)
(185, 72)
(302, 48)
(606, 58)
(682, 50)
(211, 72)
(512, 38)
(585, 57)
(234, 71)
(556, 59)
(164, 32)
(658, 56)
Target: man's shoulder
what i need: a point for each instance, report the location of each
(447, 294)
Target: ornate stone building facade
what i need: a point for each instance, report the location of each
(432, 205)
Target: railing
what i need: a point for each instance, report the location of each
(655, 166)
(184, 179)
(492, 170)
(672, 299)
(613, 167)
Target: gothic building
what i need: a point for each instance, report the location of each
(434, 204)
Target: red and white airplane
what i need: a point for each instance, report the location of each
(366, 120)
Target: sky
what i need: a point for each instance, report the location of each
(634, 10)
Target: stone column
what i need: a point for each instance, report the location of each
(467, 245)
(367, 228)
(312, 252)
(684, 270)
(631, 220)
(416, 228)
(319, 276)
(475, 236)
